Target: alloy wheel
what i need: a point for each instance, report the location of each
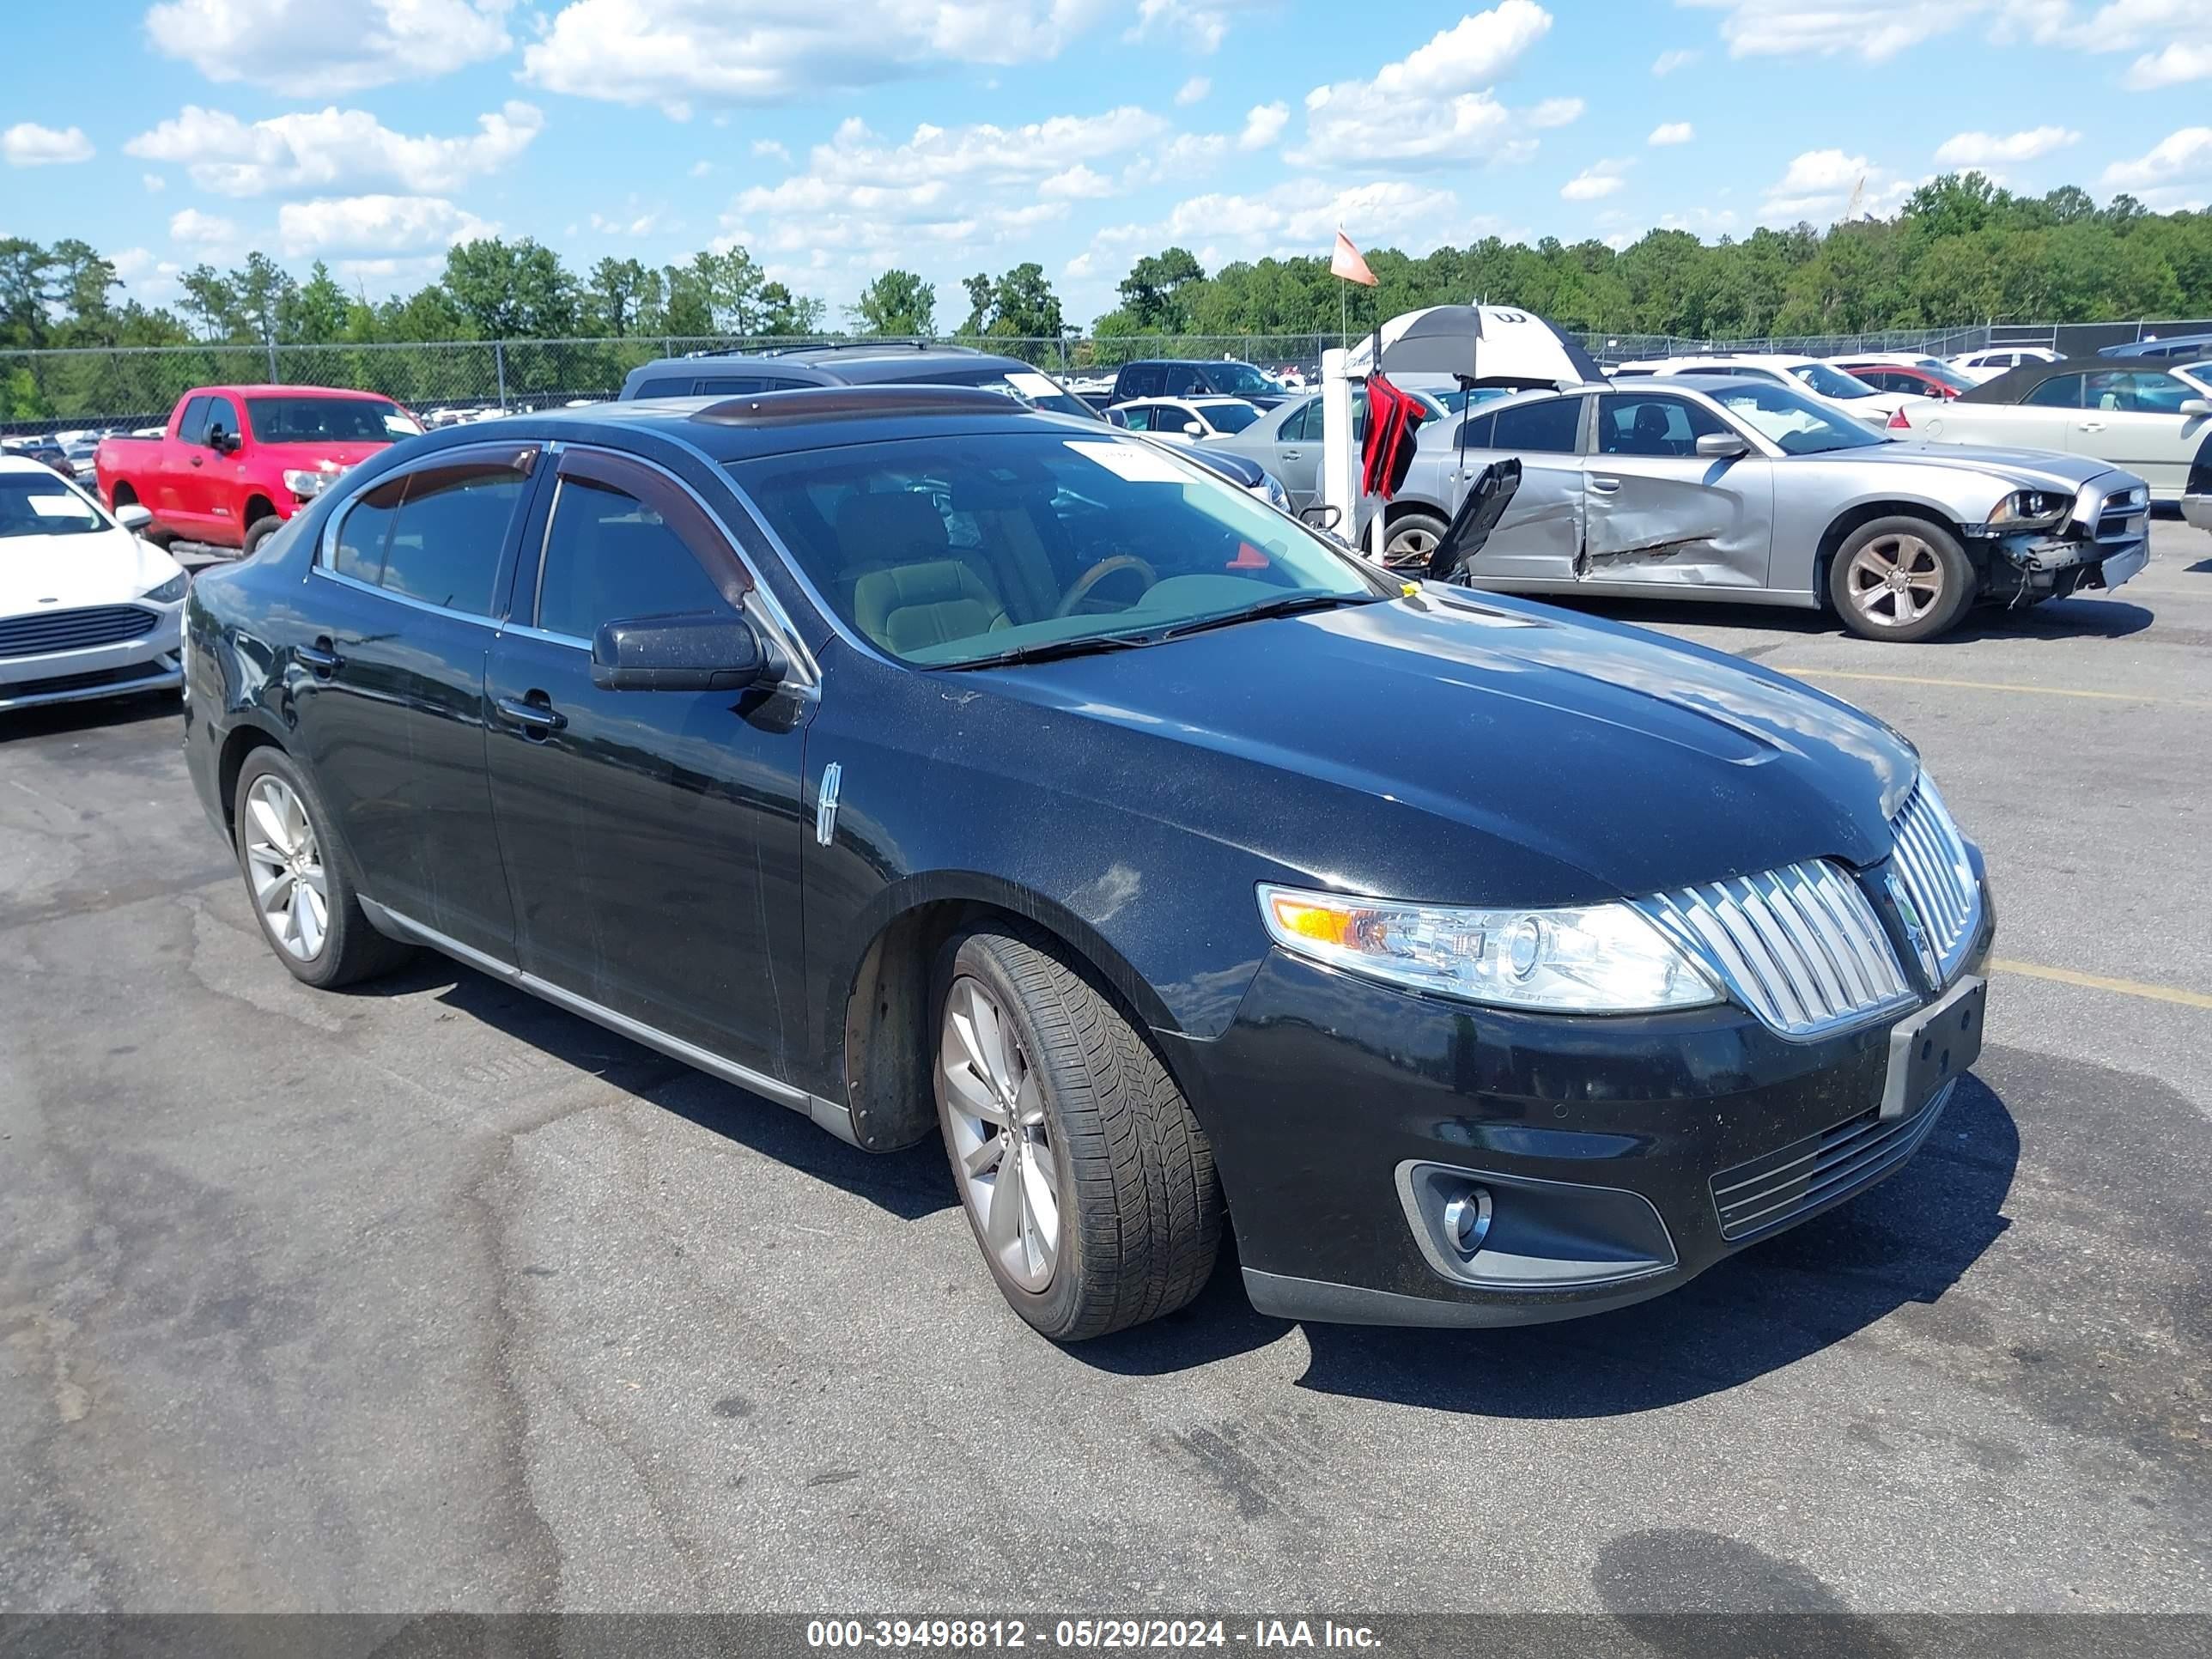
(284, 863)
(1895, 581)
(1412, 545)
(1002, 1152)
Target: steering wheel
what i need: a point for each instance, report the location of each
(1098, 574)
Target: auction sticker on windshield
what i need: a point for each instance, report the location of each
(1131, 461)
(1030, 384)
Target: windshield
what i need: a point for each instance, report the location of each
(949, 551)
(1229, 418)
(1832, 382)
(49, 506)
(328, 420)
(1240, 380)
(1950, 376)
(1792, 420)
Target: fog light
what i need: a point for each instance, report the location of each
(1466, 1219)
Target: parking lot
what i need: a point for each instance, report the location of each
(430, 1295)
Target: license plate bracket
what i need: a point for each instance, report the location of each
(1938, 1044)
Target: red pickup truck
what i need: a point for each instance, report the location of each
(236, 461)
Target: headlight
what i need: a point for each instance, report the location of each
(2030, 509)
(170, 591)
(1602, 959)
(305, 483)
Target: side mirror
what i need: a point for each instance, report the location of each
(220, 440)
(133, 517)
(1721, 446)
(697, 653)
(1193, 428)
(2196, 406)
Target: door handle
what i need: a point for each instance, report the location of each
(1606, 486)
(196, 460)
(1290, 454)
(534, 713)
(320, 657)
(2092, 426)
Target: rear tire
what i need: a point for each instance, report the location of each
(297, 880)
(1087, 1179)
(259, 531)
(1410, 540)
(1901, 578)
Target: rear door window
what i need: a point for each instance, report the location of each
(192, 429)
(365, 531)
(221, 412)
(1548, 427)
(2059, 392)
(446, 541)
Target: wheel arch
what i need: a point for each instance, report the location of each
(259, 506)
(884, 1039)
(237, 743)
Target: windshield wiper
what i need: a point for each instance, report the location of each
(1288, 605)
(1047, 650)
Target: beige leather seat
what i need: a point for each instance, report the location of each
(909, 590)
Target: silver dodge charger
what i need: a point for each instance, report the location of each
(1711, 485)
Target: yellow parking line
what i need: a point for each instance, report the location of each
(1988, 685)
(2126, 988)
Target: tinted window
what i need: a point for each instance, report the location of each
(1642, 425)
(1541, 429)
(1231, 418)
(736, 385)
(1182, 380)
(364, 532)
(2059, 392)
(1477, 434)
(327, 419)
(444, 541)
(1303, 427)
(220, 413)
(1137, 420)
(669, 386)
(1139, 382)
(192, 429)
(609, 556)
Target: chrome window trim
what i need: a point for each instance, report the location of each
(490, 625)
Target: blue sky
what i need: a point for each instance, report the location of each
(838, 137)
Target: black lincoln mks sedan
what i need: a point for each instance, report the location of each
(925, 763)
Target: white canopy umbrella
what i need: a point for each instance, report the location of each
(1480, 345)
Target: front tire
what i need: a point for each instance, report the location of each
(296, 879)
(1087, 1182)
(1900, 577)
(259, 531)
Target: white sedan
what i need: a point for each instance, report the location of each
(86, 609)
(1993, 361)
(1844, 393)
(1185, 418)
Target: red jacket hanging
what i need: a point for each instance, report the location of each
(1387, 451)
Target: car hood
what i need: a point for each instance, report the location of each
(60, 573)
(2029, 468)
(1475, 749)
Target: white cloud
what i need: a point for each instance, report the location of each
(376, 225)
(329, 148)
(958, 188)
(629, 225)
(199, 229)
(1672, 132)
(1298, 216)
(1433, 107)
(770, 148)
(1202, 24)
(1555, 112)
(2176, 62)
(1681, 57)
(670, 53)
(1263, 125)
(1983, 149)
(1826, 185)
(2176, 172)
(701, 169)
(27, 144)
(1596, 181)
(298, 47)
(1193, 91)
(1874, 30)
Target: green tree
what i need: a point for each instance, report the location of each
(897, 302)
(317, 312)
(621, 295)
(1151, 292)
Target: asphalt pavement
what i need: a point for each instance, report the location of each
(428, 1294)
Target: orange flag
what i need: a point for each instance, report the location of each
(1350, 263)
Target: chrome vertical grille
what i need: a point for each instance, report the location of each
(1930, 861)
(1799, 946)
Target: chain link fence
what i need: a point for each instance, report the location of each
(137, 386)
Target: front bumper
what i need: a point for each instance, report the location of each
(2103, 543)
(1622, 1156)
(152, 661)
